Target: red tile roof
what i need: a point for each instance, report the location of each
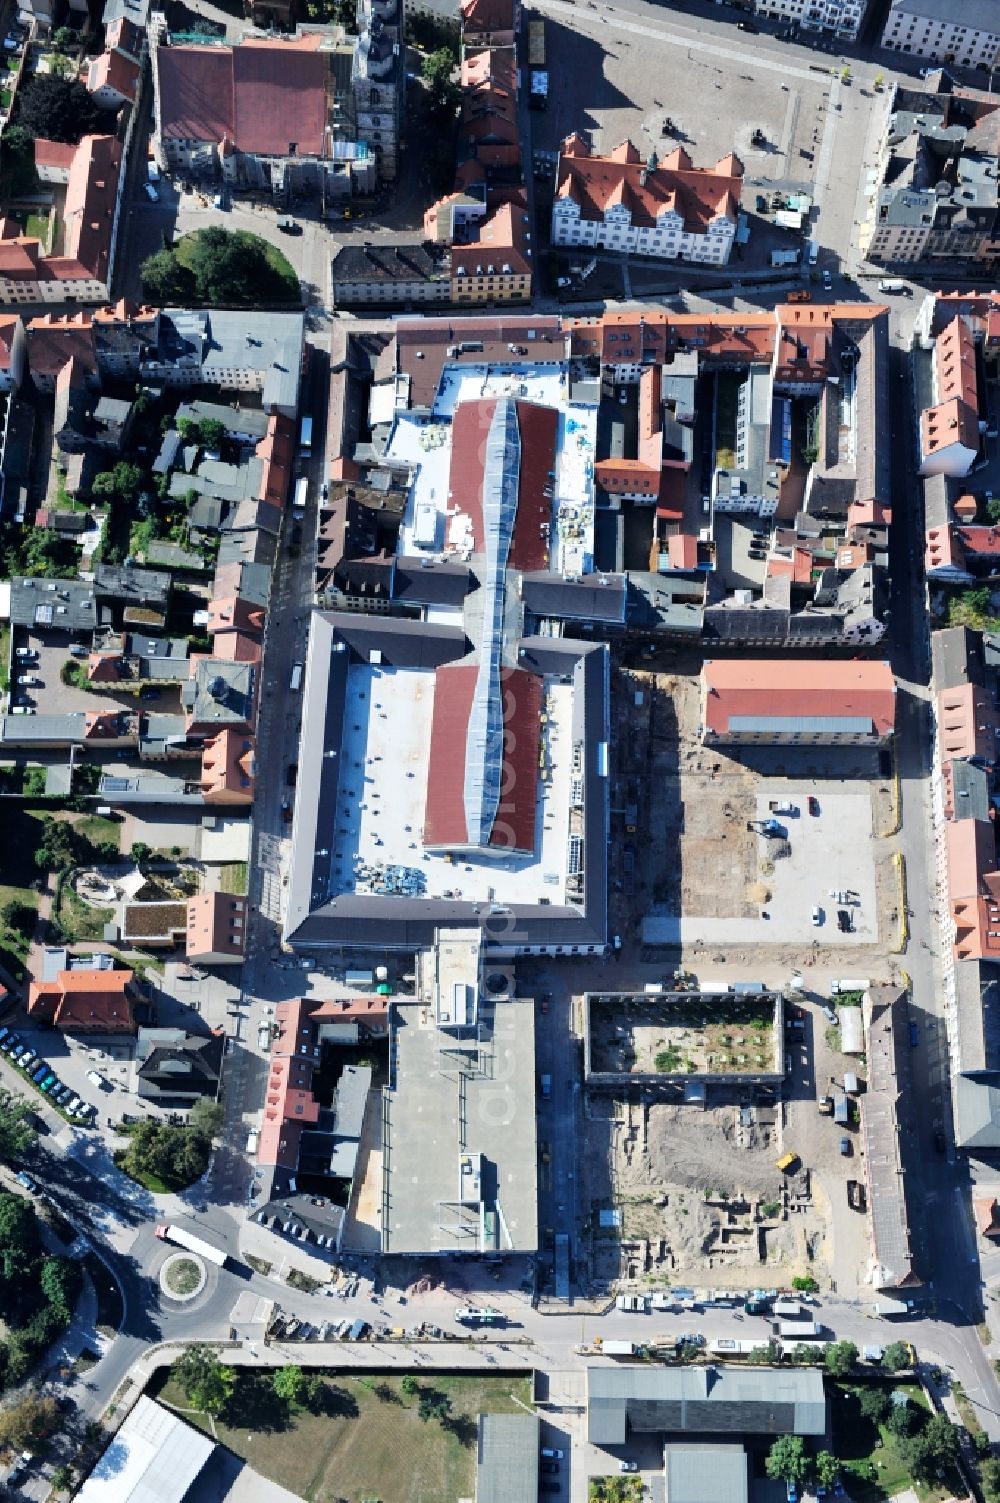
(788, 689)
(89, 206)
(967, 723)
(84, 1001)
(974, 888)
(52, 340)
(698, 195)
(54, 153)
(444, 814)
(373, 1012)
(265, 95)
(487, 15)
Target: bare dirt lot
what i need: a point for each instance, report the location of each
(645, 1036)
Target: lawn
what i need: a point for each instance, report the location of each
(38, 225)
(96, 828)
(233, 878)
(365, 1440)
(78, 920)
(856, 1442)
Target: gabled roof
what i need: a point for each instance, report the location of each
(779, 690)
(697, 195)
(266, 96)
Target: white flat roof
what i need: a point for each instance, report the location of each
(383, 793)
(425, 444)
(154, 1458)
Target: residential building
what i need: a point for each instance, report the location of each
(627, 203)
(490, 23)
(13, 347)
(81, 269)
(400, 275)
(800, 703)
(114, 75)
(888, 1129)
(216, 929)
(493, 264)
(936, 198)
(84, 1002)
(839, 18)
(966, 32)
(175, 1069)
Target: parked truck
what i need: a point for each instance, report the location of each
(890, 1307)
(798, 1330)
(785, 258)
(621, 1348)
(191, 1243)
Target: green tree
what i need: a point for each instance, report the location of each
(437, 70)
(40, 553)
(874, 1403)
(409, 1385)
(993, 508)
(65, 39)
(141, 852)
(33, 784)
(17, 162)
(803, 1354)
(165, 281)
(826, 1467)
(212, 432)
(59, 65)
(60, 1283)
(904, 1418)
(434, 1405)
(289, 1383)
(57, 109)
(206, 1117)
(17, 1132)
(841, 1358)
(19, 916)
(121, 483)
(805, 1284)
(787, 1460)
(930, 1450)
(57, 846)
(203, 1379)
(989, 1476)
(62, 1478)
(763, 1354)
(896, 1356)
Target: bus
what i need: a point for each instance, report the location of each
(306, 435)
(478, 1315)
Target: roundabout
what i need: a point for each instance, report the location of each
(182, 1277)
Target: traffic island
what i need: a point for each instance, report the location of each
(182, 1277)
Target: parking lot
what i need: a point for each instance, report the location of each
(47, 692)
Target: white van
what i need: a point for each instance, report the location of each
(812, 252)
(252, 1140)
(892, 285)
(296, 681)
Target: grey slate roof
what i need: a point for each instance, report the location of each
(132, 586)
(702, 1401)
(957, 656)
(592, 597)
(885, 1130)
(971, 790)
(977, 1112)
(507, 1458)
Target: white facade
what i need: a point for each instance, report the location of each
(966, 32)
(842, 17)
(666, 238)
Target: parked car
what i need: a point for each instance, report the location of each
(39, 1075)
(151, 193)
(47, 1083)
(26, 654)
(746, 26)
(10, 1042)
(30, 679)
(628, 1466)
(549, 1453)
(827, 280)
(28, 1058)
(549, 1468)
(845, 1147)
(817, 916)
(844, 921)
(813, 803)
(940, 1143)
(26, 1182)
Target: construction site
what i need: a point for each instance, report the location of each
(703, 860)
(697, 1196)
(684, 1033)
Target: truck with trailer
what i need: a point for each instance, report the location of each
(192, 1244)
